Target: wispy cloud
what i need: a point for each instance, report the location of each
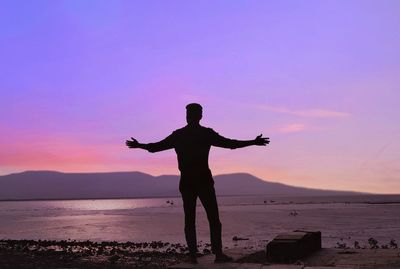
(312, 112)
(292, 128)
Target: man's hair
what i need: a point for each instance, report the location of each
(194, 108)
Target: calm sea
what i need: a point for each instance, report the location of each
(24, 207)
(256, 217)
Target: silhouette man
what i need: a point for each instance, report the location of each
(192, 145)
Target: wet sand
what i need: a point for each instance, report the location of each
(343, 226)
(340, 223)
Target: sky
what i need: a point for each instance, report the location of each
(321, 79)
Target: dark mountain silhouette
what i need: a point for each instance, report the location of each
(56, 185)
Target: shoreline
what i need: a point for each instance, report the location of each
(234, 195)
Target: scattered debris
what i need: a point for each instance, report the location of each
(235, 238)
(373, 243)
(393, 244)
(293, 213)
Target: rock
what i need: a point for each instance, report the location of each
(206, 251)
(290, 247)
(235, 238)
(114, 258)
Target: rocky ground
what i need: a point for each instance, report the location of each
(88, 254)
(160, 255)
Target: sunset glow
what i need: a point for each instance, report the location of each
(320, 78)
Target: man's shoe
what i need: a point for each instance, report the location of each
(221, 258)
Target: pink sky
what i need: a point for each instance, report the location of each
(321, 79)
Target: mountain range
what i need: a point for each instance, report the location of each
(56, 185)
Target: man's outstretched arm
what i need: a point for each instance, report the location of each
(151, 147)
(220, 141)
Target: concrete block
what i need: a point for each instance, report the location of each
(289, 247)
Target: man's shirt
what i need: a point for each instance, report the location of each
(192, 145)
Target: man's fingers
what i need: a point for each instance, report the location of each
(263, 141)
(132, 143)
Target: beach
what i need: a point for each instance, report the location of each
(257, 219)
(248, 223)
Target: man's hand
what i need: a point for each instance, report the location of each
(261, 141)
(132, 143)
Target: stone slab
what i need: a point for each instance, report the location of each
(322, 259)
(250, 266)
(207, 261)
(282, 266)
(355, 258)
(328, 267)
(217, 266)
(181, 266)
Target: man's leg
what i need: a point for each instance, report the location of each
(209, 201)
(189, 198)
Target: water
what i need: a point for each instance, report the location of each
(258, 218)
(47, 206)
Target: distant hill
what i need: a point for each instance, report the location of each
(56, 185)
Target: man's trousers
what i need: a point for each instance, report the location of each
(206, 194)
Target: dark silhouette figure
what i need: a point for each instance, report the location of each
(192, 145)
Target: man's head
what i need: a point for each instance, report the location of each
(194, 113)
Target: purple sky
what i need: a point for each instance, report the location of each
(320, 78)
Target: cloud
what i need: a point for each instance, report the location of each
(312, 112)
(292, 128)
